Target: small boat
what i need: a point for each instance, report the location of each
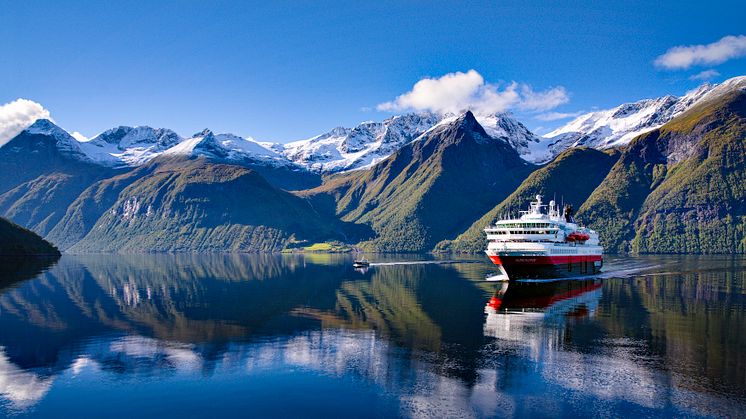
(361, 263)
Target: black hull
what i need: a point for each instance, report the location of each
(565, 270)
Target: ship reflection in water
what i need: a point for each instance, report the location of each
(535, 315)
(293, 335)
(550, 300)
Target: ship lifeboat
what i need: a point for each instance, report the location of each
(577, 237)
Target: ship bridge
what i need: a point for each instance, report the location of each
(534, 225)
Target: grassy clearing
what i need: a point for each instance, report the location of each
(322, 247)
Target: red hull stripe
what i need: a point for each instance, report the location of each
(543, 260)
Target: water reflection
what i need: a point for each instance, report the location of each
(14, 270)
(524, 311)
(413, 340)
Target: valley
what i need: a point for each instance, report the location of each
(661, 175)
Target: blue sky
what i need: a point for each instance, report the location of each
(289, 70)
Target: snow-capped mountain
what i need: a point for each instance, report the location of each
(617, 126)
(128, 146)
(64, 143)
(344, 149)
(505, 127)
(353, 148)
(338, 150)
(228, 147)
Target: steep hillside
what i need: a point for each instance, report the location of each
(42, 170)
(429, 190)
(572, 177)
(191, 204)
(18, 241)
(83, 213)
(680, 188)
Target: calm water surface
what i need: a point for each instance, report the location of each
(239, 335)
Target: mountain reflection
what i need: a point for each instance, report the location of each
(14, 270)
(436, 336)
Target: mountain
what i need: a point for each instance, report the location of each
(231, 149)
(429, 190)
(44, 143)
(343, 149)
(679, 188)
(177, 203)
(128, 146)
(570, 178)
(18, 241)
(124, 147)
(83, 213)
(226, 147)
(618, 126)
(351, 148)
(42, 170)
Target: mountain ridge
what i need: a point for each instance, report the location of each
(176, 197)
(17, 241)
(343, 149)
(617, 126)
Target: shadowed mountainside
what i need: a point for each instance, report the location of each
(18, 241)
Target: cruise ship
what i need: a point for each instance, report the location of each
(543, 244)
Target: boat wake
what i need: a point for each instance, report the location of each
(424, 262)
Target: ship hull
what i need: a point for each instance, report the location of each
(548, 267)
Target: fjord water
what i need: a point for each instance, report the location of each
(294, 335)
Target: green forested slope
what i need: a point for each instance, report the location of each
(18, 241)
(194, 205)
(90, 205)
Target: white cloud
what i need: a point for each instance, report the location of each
(17, 116)
(542, 101)
(458, 91)
(683, 57)
(705, 75)
(555, 116)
